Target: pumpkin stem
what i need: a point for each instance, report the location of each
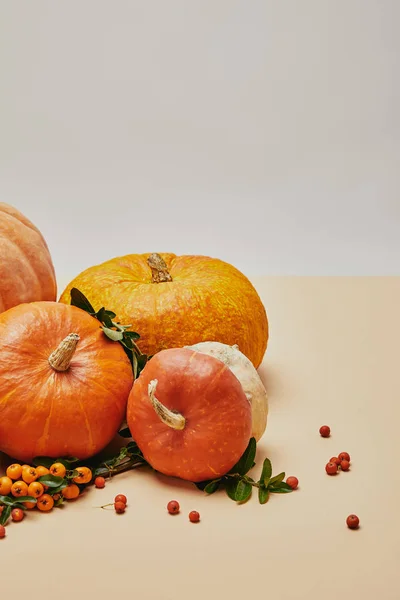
(167, 416)
(61, 358)
(159, 269)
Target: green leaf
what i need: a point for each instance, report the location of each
(127, 342)
(59, 501)
(212, 486)
(135, 365)
(7, 501)
(111, 314)
(266, 472)
(43, 461)
(280, 488)
(246, 461)
(5, 515)
(79, 299)
(67, 462)
(25, 499)
(103, 317)
(277, 479)
(238, 490)
(52, 481)
(263, 494)
(115, 336)
(56, 490)
(132, 334)
(243, 491)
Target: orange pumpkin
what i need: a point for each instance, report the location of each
(189, 415)
(174, 301)
(64, 385)
(26, 269)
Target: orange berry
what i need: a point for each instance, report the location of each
(100, 482)
(29, 505)
(5, 485)
(29, 474)
(45, 503)
(58, 469)
(14, 471)
(19, 488)
(71, 491)
(84, 475)
(17, 514)
(42, 471)
(35, 489)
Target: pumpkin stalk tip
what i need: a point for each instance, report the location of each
(60, 358)
(167, 416)
(159, 269)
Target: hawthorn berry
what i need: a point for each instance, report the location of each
(173, 507)
(325, 431)
(344, 456)
(352, 521)
(100, 482)
(2, 531)
(345, 465)
(331, 468)
(293, 482)
(335, 460)
(121, 498)
(194, 516)
(119, 507)
(17, 514)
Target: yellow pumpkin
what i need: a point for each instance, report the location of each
(174, 301)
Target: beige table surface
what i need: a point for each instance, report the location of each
(333, 358)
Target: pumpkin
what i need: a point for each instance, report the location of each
(250, 380)
(26, 269)
(64, 385)
(174, 301)
(189, 415)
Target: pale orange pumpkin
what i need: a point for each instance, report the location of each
(26, 268)
(64, 385)
(174, 301)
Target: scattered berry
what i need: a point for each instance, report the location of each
(293, 482)
(2, 531)
(344, 456)
(17, 514)
(119, 507)
(353, 521)
(194, 516)
(335, 460)
(173, 507)
(345, 465)
(58, 470)
(5, 485)
(331, 468)
(100, 482)
(14, 471)
(325, 431)
(121, 498)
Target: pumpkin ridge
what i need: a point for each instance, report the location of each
(45, 435)
(28, 260)
(88, 427)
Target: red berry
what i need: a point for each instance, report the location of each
(352, 521)
(293, 482)
(173, 507)
(120, 498)
(194, 516)
(335, 460)
(119, 507)
(100, 482)
(331, 468)
(345, 465)
(17, 514)
(2, 531)
(344, 456)
(325, 431)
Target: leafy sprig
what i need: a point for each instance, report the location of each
(114, 330)
(8, 503)
(239, 485)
